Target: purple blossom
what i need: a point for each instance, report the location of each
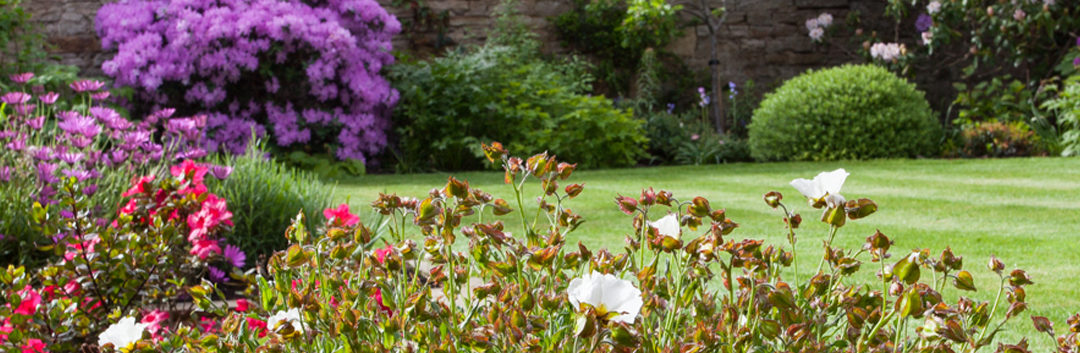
(90, 190)
(670, 108)
(80, 141)
(22, 78)
(923, 22)
(77, 174)
(71, 158)
(23, 109)
(102, 95)
(221, 172)
(703, 98)
(12, 98)
(86, 85)
(47, 192)
(5, 173)
(206, 47)
(234, 256)
(49, 98)
(46, 173)
(36, 123)
(17, 144)
(43, 154)
(731, 87)
(80, 125)
(216, 274)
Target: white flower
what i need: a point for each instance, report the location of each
(887, 51)
(824, 188)
(933, 7)
(122, 333)
(816, 34)
(606, 292)
(291, 316)
(669, 225)
(927, 38)
(825, 19)
(811, 24)
(1019, 15)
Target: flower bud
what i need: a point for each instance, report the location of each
(995, 264)
(573, 190)
(772, 198)
(626, 204)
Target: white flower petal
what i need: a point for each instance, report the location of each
(808, 188)
(606, 290)
(831, 182)
(122, 333)
(668, 225)
(835, 200)
(291, 316)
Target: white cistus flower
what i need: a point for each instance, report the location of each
(606, 293)
(291, 316)
(824, 188)
(122, 333)
(669, 225)
(816, 34)
(933, 7)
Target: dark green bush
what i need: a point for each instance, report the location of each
(846, 112)
(264, 196)
(497, 93)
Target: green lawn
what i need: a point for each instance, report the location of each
(1024, 211)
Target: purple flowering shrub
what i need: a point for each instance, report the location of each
(48, 136)
(304, 72)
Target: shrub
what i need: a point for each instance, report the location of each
(684, 280)
(451, 103)
(306, 72)
(847, 112)
(21, 46)
(1067, 108)
(45, 136)
(265, 196)
(158, 247)
(998, 139)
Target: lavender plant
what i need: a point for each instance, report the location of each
(304, 72)
(49, 136)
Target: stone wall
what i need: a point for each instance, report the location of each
(763, 40)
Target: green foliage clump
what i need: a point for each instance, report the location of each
(847, 112)
(21, 46)
(265, 196)
(451, 104)
(1067, 107)
(998, 139)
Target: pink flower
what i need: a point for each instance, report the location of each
(75, 248)
(130, 207)
(49, 98)
(190, 171)
(86, 85)
(341, 216)
(30, 301)
(258, 325)
(5, 329)
(242, 305)
(203, 248)
(33, 345)
(207, 324)
(22, 78)
(72, 288)
(380, 254)
(154, 319)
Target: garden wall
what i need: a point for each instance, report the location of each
(763, 40)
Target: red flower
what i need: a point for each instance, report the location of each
(241, 305)
(6, 328)
(377, 296)
(30, 301)
(257, 324)
(340, 216)
(87, 246)
(72, 288)
(130, 207)
(190, 171)
(138, 186)
(33, 345)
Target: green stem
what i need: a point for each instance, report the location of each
(997, 300)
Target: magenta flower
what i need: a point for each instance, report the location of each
(13, 98)
(221, 172)
(23, 109)
(80, 125)
(235, 256)
(22, 78)
(102, 95)
(36, 123)
(71, 158)
(5, 174)
(341, 216)
(86, 85)
(49, 98)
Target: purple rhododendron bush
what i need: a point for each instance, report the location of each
(305, 72)
(445, 274)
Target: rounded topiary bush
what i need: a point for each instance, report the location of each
(846, 112)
